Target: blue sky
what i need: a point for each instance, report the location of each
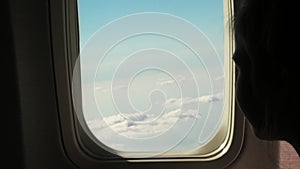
(151, 90)
(206, 15)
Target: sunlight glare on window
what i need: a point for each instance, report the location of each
(152, 74)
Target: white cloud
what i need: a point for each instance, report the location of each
(177, 102)
(143, 125)
(173, 102)
(165, 82)
(210, 98)
(106, 88)
(168, 81)
(140, 125)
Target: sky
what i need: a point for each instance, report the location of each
(152, 72)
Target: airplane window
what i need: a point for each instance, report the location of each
(156, 79)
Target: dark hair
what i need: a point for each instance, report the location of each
(264, 29)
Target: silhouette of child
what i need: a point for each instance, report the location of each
(267, 85)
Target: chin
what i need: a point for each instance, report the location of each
(264, 134)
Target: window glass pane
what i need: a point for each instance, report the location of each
(152, 76)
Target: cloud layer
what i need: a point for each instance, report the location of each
(143, 125)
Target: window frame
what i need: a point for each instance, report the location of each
(77, 145)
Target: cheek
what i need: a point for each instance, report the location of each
(252, 109)
(245, 97)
